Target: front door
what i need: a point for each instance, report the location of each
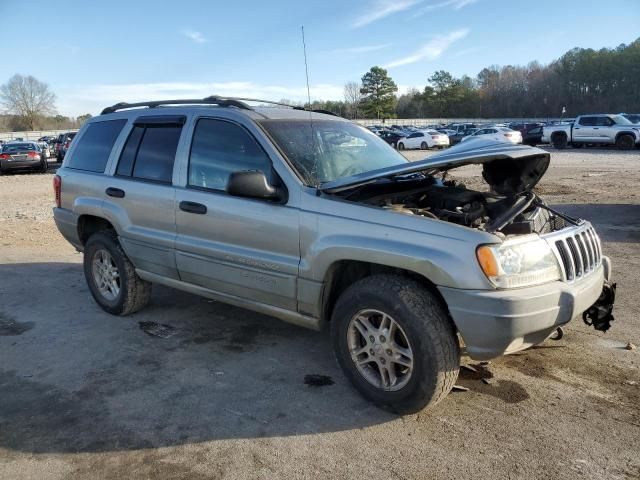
(241, 247)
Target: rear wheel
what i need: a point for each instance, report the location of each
(625, 142)
(424, 146)
(559, 141)
(400, 146)
(111, 277)
(399, 349)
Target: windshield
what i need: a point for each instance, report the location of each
(325, 150)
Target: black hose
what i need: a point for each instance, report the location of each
(520, 205)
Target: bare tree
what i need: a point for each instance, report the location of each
(28, 98)
(353, 97)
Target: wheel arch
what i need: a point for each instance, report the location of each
(343, 273)
(90, 224)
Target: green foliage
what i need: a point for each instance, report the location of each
(378, 90)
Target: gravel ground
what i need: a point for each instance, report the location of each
(87, 395)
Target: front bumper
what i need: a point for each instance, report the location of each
(497, 322)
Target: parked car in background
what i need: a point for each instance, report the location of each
(22, 155)
(62, 144)
(599, 129)
(391, 137)
(460, 130)
(423, 139)
(502, 134)
(533, 136)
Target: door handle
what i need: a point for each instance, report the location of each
(576, 128)
(596, 128)
(115, 192)
(193, 207)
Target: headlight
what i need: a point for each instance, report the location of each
(519, 263)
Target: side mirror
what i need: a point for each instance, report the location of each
(252, 184)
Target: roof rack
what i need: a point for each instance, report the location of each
(211, 100)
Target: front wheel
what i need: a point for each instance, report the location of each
(399, 349)
(111, 277)
(424, 146)
(401, 146)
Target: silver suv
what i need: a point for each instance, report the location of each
(317, 221)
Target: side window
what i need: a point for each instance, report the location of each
(220, 148)
(150, 152)
(604, 122)
(92, 152)
(587, 121)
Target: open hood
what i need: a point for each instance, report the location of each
(508, 169)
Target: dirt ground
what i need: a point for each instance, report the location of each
(87, 395)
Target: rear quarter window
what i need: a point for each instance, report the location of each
(94, 147)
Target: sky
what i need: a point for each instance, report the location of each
(94, 54)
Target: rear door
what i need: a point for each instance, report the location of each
(242, 247)
(140, 196)
(583, 130)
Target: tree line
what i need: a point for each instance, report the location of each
(582, 80)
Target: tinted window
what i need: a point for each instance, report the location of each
(220, 148)
(150, 152)
(604, 122)
(587, 121)
(94, 147)
(128, 155)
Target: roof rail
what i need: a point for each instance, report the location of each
(212, 100)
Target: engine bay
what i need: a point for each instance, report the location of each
(452, 201)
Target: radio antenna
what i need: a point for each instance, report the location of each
(314, 169)
(306, 68)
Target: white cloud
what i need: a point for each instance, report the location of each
(76, 100)
(381, 9)
(431, 50)
(456, 4)
(362, 49)
(197, 37)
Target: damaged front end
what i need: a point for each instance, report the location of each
(508, 208)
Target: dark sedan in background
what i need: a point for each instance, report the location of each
(22, 155)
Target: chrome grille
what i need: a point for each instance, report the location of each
(578, 251)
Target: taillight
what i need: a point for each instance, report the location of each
(33, 155)
(5, 156)
(507, 134)
(435, 137)
(66, 145)
(57, 190)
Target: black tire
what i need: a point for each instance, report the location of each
(559, 141)
(400, 146)
(428, 329)
(134, 293)
(424, 146)
(577, 145)
(625, 142)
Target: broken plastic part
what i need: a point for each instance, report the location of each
(599, 315)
